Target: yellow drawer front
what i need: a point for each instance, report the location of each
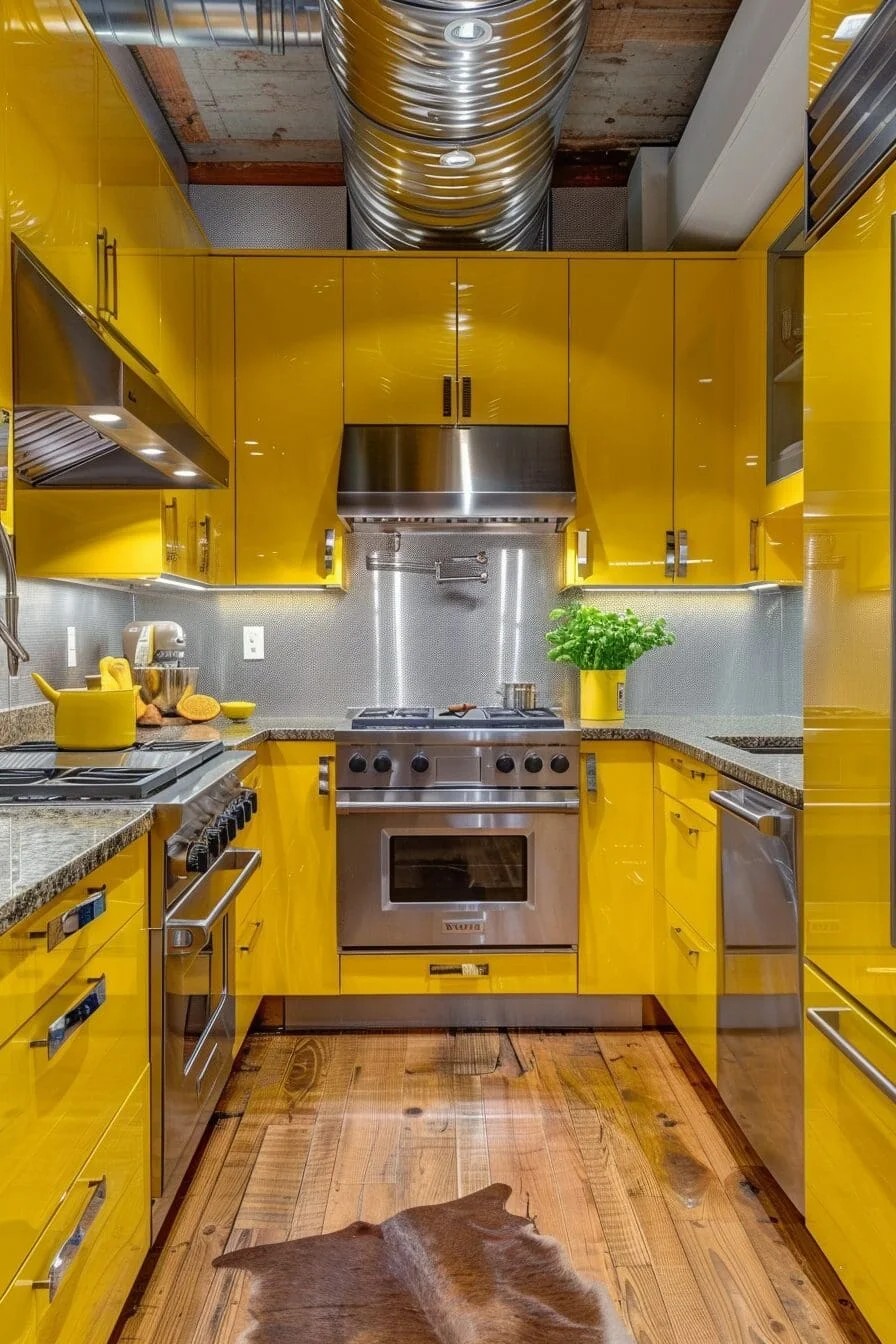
(459, 973)
(687, 982)
(687, 780)
(251, 942)
(687, 863)
(76, 1279)
(38, 955)
(851, 1150)
(54, 1109)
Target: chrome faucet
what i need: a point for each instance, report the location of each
(9, 629)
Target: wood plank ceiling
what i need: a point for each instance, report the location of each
(255, 117)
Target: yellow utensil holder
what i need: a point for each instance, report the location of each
(602, 696)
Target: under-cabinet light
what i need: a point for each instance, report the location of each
(182, 583)
(762, 587)
(153, 452)
(850, 27)
(105, 418)
(185, 471)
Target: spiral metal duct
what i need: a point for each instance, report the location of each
(450, 116)
(276, 24)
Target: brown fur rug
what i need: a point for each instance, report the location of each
(466, 1272)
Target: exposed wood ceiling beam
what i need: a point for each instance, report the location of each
(223, 174)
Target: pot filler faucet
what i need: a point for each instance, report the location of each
(9, 629)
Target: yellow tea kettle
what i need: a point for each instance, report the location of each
(88, 720)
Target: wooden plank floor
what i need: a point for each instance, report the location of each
(615, 1144)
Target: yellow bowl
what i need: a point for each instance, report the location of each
(238, 709)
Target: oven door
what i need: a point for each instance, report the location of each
(199, 940)
(457, 868)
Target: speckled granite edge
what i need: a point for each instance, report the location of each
(41, 825)
(26, 723)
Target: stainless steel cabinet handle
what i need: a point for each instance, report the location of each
(182, 932)
(329, 550)
(250, 946)
(691, 830)
(75, 918)
(323, 775)
(74, 1241)
(172, 540)
(679, 934)
(447, 395)
(468, 969)
(767, 823)
(65, 1026)
(754, 545)
(697, 774)
(466, 397)
(683, 554)
(357, 806)
(591, 773)
(204, 543)
(670, 555)
(113, 248)
(582, 548)
(102, 273)
(821, 1018)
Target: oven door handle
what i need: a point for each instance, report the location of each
(245, 862)
(354, 806)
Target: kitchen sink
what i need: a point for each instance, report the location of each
(764, 746)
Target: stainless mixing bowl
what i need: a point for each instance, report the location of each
(165, 686)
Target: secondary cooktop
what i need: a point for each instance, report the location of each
(38, 772)
(491, 716)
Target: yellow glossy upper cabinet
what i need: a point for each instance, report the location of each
(288, 418)
(216, 411)
(706, 313)
(400, 340)
(6, 491)
(621, 419)
(182, 241)
(128, 244)
(513, 340)
(51, 139)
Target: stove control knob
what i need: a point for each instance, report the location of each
(533, 764)
(250, 800)
(198, 857)
(228, 821)
(214, 842)
(357, 764)
(420, 764)
(382, 764)
(559, 764)
(505, 764)
(242, 810)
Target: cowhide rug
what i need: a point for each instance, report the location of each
(466, 1272)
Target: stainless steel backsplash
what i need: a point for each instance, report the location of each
(404, 639)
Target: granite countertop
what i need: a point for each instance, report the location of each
(43, 850)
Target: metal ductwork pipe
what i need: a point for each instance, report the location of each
(274, 24)
(450, 115)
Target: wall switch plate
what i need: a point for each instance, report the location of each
(71, 646)
(253, 642)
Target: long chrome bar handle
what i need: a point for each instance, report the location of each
(329, 550)
(767, 823)
(73, 1018)
(185, 933)
(63, 1258)
(591, 773)
(682, 553)
(821, 1018)
(75, 918)
(669, 570)
(754, 545)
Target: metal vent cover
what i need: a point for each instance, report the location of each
(851, 136)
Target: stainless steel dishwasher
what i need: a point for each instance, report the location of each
(760, 1002)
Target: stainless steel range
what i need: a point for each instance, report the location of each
(196, 872)
(457, 830)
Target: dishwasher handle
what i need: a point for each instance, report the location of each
(766, 823)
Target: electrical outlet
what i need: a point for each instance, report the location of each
(253, 642)
(71, 646)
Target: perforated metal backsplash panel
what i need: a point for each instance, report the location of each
(275, 217)
(46, 610)
(589, 219)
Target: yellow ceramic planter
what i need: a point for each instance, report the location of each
(602, 695)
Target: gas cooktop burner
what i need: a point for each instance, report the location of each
(38, 772)
(491, 716)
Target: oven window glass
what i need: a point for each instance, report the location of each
(448, 869)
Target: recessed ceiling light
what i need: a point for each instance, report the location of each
(457, 158)
(851, 26)
(153, 452)
(468, 32)
(184, 471)
(105, 418)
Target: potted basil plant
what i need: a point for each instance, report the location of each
(603, 645)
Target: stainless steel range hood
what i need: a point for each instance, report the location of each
(86, 413)
(435, 477)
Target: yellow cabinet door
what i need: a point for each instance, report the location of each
(513, 340)
(177, 334)
(687, 980)
(129, 214)
(299, 892)
(216, 411)
(400, 340)
(704, 489)
(616, 860)
(621, 418)
(850, 1070)
(687, 864)
(124, 534)
(289, 418)
(180, 544)
(6, 491)
(51, 139)
(476, 972)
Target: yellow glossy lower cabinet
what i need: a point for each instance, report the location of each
(687, 863)
(687, 982)
(477, 972)
(63, 1076)
(298, 840)
(616, 870)
(93, 1244)
(252, 940)
(851, 1150)
(687, 779)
